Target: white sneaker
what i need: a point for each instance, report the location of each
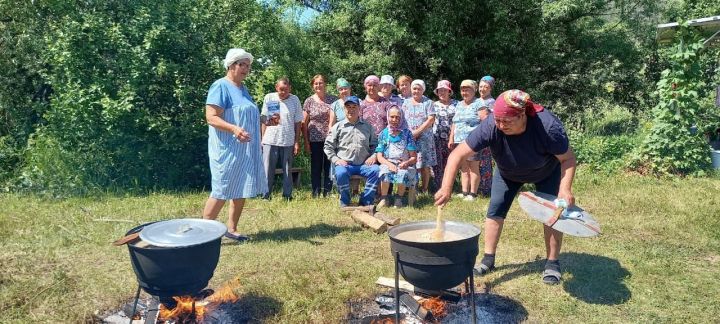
(469, 198)
(460, 195)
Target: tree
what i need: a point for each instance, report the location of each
(129, 80)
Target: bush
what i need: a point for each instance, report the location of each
(53, 170)
(607, 119)
(607, 154)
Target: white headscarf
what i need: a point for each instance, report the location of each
(234, 55)
(419, 82)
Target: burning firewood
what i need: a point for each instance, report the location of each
(437, 307)
(190, 310)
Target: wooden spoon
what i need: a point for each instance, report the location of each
(127, 239)
(438, 234)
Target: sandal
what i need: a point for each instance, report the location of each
(551, 275)
(483, 269)
(237, 237)
(487, 264)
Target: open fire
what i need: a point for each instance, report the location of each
(191, 310)
(436, 306)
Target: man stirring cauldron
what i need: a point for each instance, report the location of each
(529, 145)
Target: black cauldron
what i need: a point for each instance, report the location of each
(174, 271)
(436, 265)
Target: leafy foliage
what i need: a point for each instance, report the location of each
(607, 154)
(565, 53)
(129, 80)
(671, 148)
(110, 94)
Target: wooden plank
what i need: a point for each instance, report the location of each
(370, 209)
(367, 220)
(390, 282)
(390, 220)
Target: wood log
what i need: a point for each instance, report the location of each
(365, 219)
(370, 209)
(390, 220)
(390, 282)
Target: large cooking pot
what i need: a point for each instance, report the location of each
(181, 256)
(436, 265)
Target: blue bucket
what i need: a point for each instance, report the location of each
(715, 157)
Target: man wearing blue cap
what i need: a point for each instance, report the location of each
(350, 146)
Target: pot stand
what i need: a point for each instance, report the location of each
(153, 309)
(470, 289)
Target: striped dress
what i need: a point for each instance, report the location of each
(236, 168)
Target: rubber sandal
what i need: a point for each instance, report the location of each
(237, 237)
(482, 269)
(551, 276)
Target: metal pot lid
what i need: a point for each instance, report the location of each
(182, 232)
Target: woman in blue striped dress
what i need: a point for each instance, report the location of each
(233, 142)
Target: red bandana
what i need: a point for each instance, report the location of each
(512, 103)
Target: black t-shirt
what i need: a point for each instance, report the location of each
(528, 157)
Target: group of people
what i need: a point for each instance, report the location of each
(390, 139)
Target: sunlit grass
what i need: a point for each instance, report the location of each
(658, 259)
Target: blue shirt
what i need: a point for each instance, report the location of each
(465, 119)
(338, 107)
(528, 157)
(396, 147)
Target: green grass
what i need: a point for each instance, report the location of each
(658, 259)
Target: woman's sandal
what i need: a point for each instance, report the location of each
(483, 269)
(551, 275)
(239, 238)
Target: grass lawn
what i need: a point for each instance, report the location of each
(658, 259)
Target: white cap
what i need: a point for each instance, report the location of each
(234, 55)
(386, 79)
(419, 82)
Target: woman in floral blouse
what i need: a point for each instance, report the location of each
(444, 112)
(420, 116)
(373, 109)
(397, 157)
(467, 117)
(316, 111)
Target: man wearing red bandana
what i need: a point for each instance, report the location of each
(529, 145)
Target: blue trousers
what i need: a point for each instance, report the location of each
(370, 173)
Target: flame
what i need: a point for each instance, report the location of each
(383, 321)
(437, 306)
(225, 294)
(188, 308)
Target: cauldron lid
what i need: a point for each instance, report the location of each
(182, 232)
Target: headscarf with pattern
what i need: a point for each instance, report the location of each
(514, 102)
(402, 125)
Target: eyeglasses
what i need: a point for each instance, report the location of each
(507, 121)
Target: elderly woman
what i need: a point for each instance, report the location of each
(236, 164)
(344, 90)
(396, 154)
(316, 112)
(444, 113)
(403, 86)
(529, 145)
(373, 109)
(420, 116)
(468, 113)
(387, 85)
(485, 158)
